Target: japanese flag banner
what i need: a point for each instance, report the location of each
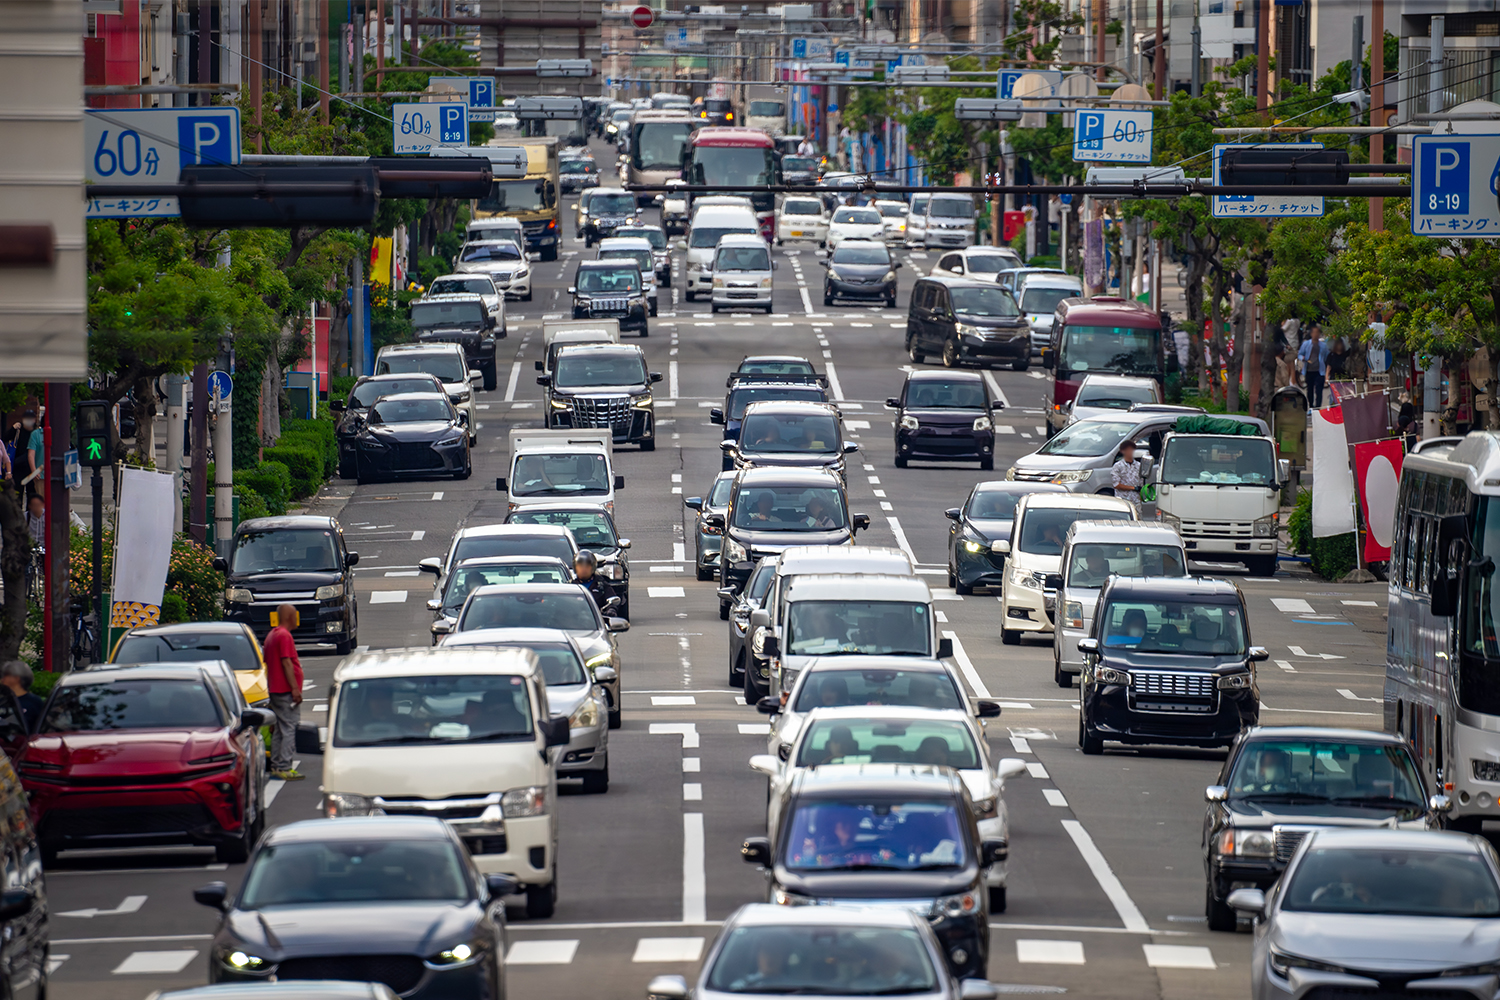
(1377, 474)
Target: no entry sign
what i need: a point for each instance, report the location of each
(642, 17)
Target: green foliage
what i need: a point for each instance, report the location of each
(304, 463)
(252, 504)
(173, 609)
(190, 573)
(339, 387)
(43, 681)
(271, 481)
(1025, 43)
(1332, 557)
(317, 435)
(1299, 524)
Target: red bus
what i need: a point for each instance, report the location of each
(1104, 334)
(736, 157)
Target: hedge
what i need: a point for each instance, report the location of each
(303, 462)
(316, 434)
(190, 573)
(252, 504)
(1331, 556)
(272, 481)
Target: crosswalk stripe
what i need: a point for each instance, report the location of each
(1041, 952)
(668, 949)
(541, 952)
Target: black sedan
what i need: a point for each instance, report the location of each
(984, 519)
(860, 269)
(411, 435)
(944, 415)
(388, 899)
(367, 389)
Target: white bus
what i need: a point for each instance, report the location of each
(1442, 678)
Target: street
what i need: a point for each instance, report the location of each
(1106, 894)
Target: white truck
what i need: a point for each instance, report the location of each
(1222, 492)
(766, 107)
(550, 466)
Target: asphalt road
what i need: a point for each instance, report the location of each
(1106, 891)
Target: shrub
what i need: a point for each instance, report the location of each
(339, 387)
(1331, 556)
(190, 573)
(252, 504)
(272, 481)
(318, 435)
(43, 681)
(173, 609)
(303, 462)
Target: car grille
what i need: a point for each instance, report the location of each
(418, 455)
(1218, 529)
(135, 780)
(467, 806)
(124, 821)
(401, 973)
(1034, 477)
(601, 411)
(1375, 993)
(1287, 839)
(1172, 684)
(597, 306)
(535, 228)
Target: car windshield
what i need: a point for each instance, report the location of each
(768, 367)
(823, 628)
(1089, 565)
(655, 237)
(339, 871)
(994, 505)
(367, 392)
(477, 285)
(591, 529)
(741, 398)
(950, 208)
(407, 411)
(1088, 439)
(471, 578)
(1393, 881)
(578, 167)
(446, 366)
(1115, 397)
(891, 209)
(527, 195)
(790, 508)
(1043, 528)
(641, 258)
(945, 394)
(827, 960)
(760, 579)
(505, 250)
(990, 263)
(429, 314)
(1121, 349)
(855, 254)
(858, 835)
(1171, 627)
(935, 742)
(574, 611)
(235, 647)
(609, 280)
(612, 204)
(983, 301)
(493, 546)
(559, 475)
(285, 550)
(1379, 775)
(1045, 300)
(707, 237)
(1221, 461)
(425, 708)
(743, 259)
(786, 433)
(857, 216)
(852, 687)
(767, 109)
(595, 368)
(477, 234)
(659, 145)
(132, 704)
(919, 203)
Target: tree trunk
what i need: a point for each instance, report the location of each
(145, 423)
(15, 554)
(1216, 338)
(1197, 267)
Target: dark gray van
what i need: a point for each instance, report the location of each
(966, 321)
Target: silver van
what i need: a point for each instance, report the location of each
(949, 221)
(742, 267)
(1093, 551)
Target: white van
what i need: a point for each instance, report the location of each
(482, 757)
(551, 465)
(916, 220)
(1222, 492)
(710, 224)
(948, 221)
(742, 269)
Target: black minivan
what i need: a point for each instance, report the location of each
(966, 321)
(23, 900)
(298, 560)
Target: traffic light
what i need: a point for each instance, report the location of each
(279, 196)
(1272, 167)
(96, 433)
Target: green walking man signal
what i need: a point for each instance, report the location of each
(95, 433)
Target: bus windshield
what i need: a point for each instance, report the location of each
(527, 195)
(659, 145)
(734, 166)
(1123, 349)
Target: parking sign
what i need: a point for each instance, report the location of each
(1454, 181)
(1105, 135)
(151, 146)
(1263, 206)
(419, 127)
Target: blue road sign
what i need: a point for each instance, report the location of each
(417, 128)
(1455, 179)
(220, 385)
(891, 64)
(1005, 82)
(842, 57)
(1106, 135)
(1264, 206)
(799, 47)
(481, 92)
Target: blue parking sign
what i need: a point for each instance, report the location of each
(481, 92)
(1005, 82)
(1453, 186)
(454, 123)
(206, 139)
(1090, 132)
(799, 48)
(1444, 176)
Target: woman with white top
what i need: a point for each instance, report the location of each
(1125, 475)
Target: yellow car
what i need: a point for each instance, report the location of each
(189, 641)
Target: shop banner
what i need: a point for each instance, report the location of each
(143, 546)
(1377, 472)
(1333, 484)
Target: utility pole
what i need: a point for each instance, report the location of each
(1159, 55)
(1197, 68)
(223, 475)
(396, 24)
(1132, 71)
(357, 317)
(1377, 102)
(176, 417)
(184, 63)
(198, 522)
(256, 44)
(1356, 64)
(323, 46)
(380, 45)
(58, 437)
(1100, 36)
(1262, 55)
(205, 49)
(1436, 99)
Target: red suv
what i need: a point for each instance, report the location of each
(134, 756)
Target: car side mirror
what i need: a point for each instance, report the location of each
(431, 564)
(655, 376)
(1052, 581)
(766, 764)
(500, 484)
(1090, 646)
(610, 605)
(543, 379)
(770, 645)
(220, 564)
(442, 628)
(1002, 547)
(850, 447)
(998, 404)
(554, 731)
(619, 482)
(572, 289)
(993, 851)
(893, 402)
(1249, 901)
(716, 416)
(1215, 793)
(988, 709)
(977, 989)
(475, 375)
(254, 718)
(624, 543)
(214, 894)
(500, 886)
(667, 988)
(728, 447)
(539, 366)
(760, 618)
(1010, 767)
(775, 265)
(463, 417)
(895, 265)
(1258, 654)
(616, 625)
(861, 522)
(756, 851)
(1440, 804)
(1047, 359)
(953, 513)
(433, 604)
(945, 648)
(336, 406)
(769, 705)
(714, 521)
(693, 503)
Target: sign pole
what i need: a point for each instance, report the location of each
(97, 597)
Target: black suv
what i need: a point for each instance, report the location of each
(611, 289)
(966, 321)
(608, 210)
(462, 320)
(941, 415)
(602, 385)
(297, 560)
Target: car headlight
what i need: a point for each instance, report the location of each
(456, 957)
(561, 404)
(741, 618)
(461, 397)
(1010, 474)
(734, 551)
(1076, 476)
(983, 423)
(1282, 963)
(1032, 581)
(612, 571)
(975, 547)
(889, 276)
(765, 282)
(909, 422)
(1170, 520)
(241, 961)
(521, 802)
(959, 905)
(452, 442)
(1265, 527)
(1109, 675)
(784, 898)
(599, 660)
(238, 595)
(832, 273)
(337, 804)
(643, 402)
(329, 593)
(1073, 614)
(585, 716)
(968, 330)
(718, 282)
(522, 273)
(1236, 682)
(1246, 843)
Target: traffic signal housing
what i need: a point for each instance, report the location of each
(96, 433)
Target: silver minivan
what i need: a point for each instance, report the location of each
(742, 267)
(949, 221)
(1093, 551)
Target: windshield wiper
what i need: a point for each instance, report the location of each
(1376, 800)
(1287, 797)
(394, 740)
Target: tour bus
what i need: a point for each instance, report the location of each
(736, 158)
(1442, 648)
(657, 142)
(1101, 334)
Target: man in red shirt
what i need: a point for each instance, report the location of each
(284, 682)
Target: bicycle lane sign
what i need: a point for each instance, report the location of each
(1456, 186)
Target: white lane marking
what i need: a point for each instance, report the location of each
(868, 467)
(515, 378)
(1004, 429)
(945, 594)
(418, 535)
(275, 785)
(1019, 743)
(687, 730)
(677, 490)
(130, 904)
(672, 379)
(1351, 696)
(403, 572)
(942, 619)
(665, 592)
(1036, 770)
(676, 477)
(691, 765)
(437, 494)
(1287, 666)
(679, 552)
(833, 381)
(1178, 956)
(694, 880)
(879, 493)
(874, 480)
(1036, 374)
(1292, 605)
(1054, 797)
(1129, 913)
(857, 425)
(316, 708)
(54, 961)
(673, 699)
(966, 666)
(995, 389)
(666, 569)
(827, 354)
(692, 792)
(521, 406)
(541, 952)
(1360, 604)
(806, 300)
(670, 949)
(901, 538)
(156, 962)
(782, 324)
(1301, 653)
(754, 728)
(885, 505)
(1036, 952)
(388, 597)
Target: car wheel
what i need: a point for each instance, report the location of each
(961, 588)
(1010, 637)
(1220, 916)
(690, 295)
(950, 354)
(588, 240)
(615, 716)
(360, 476)
(913, 352)
(987, 464)
(550, 253)
(952, 579)
(346, 468)
(346, 647)
(236, 851)
(779, 241)
(653, 309)
(890, 302)
(467, 470)
(997, 899)
(900, 461)
(737, 671)
(541, 901)
(1021, 364)
(596, 782)
(1261, 565)
(713, 308)
(649, 444)
(827, 299)
(1088, 741)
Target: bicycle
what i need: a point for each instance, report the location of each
(36, 576)
(85, 629)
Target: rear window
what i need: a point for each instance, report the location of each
(801, 206)
(515, 545)
(912, 688)
(951, 208)
(1043, 528)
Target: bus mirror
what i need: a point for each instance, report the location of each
(1453, 533)
(1047, 358)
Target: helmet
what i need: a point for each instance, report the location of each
(585, 558)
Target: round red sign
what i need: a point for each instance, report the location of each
(642, 17)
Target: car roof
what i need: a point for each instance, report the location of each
(943, 375)
(1388, 839)
(776, 382)
(772, 915)
(1048, 280)
(1098, 378)
(105, 672)
(298, 989)
(396, 376)
(883, 780)
(1077, 501)
(799, 559)
(415, 395)
(606, 190)
(430, 660)
(493, 530)
(772, 475)
(1172, 588)
(790, 406)
(290, 521)
(513, 636)
(979, 251)
(497, 221)
(1128, 533)
(1331, 733)
(461, 276)
(876, 662)
(188, 628)
(610, 264)
(363, 828)
(624, 243)
(911, 712)
(541, 589)
(741, 240)
(1017, 486)
(763, 358)
(865, 586)
(422, 347)
(957, 281)
(574, 505)
(600, 347)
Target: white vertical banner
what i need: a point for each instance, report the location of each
(1333, 482)
(143, 546)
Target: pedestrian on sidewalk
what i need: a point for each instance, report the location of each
(284, 682)
(36, 522)
(1313, 355)
(16, 677)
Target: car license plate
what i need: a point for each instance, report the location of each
(798, 232)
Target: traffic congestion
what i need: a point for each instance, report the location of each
(778, 595)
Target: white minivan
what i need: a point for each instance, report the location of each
(948, 221)
(742, 269)
(916, 219)
(710, 224)
(463, 735)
